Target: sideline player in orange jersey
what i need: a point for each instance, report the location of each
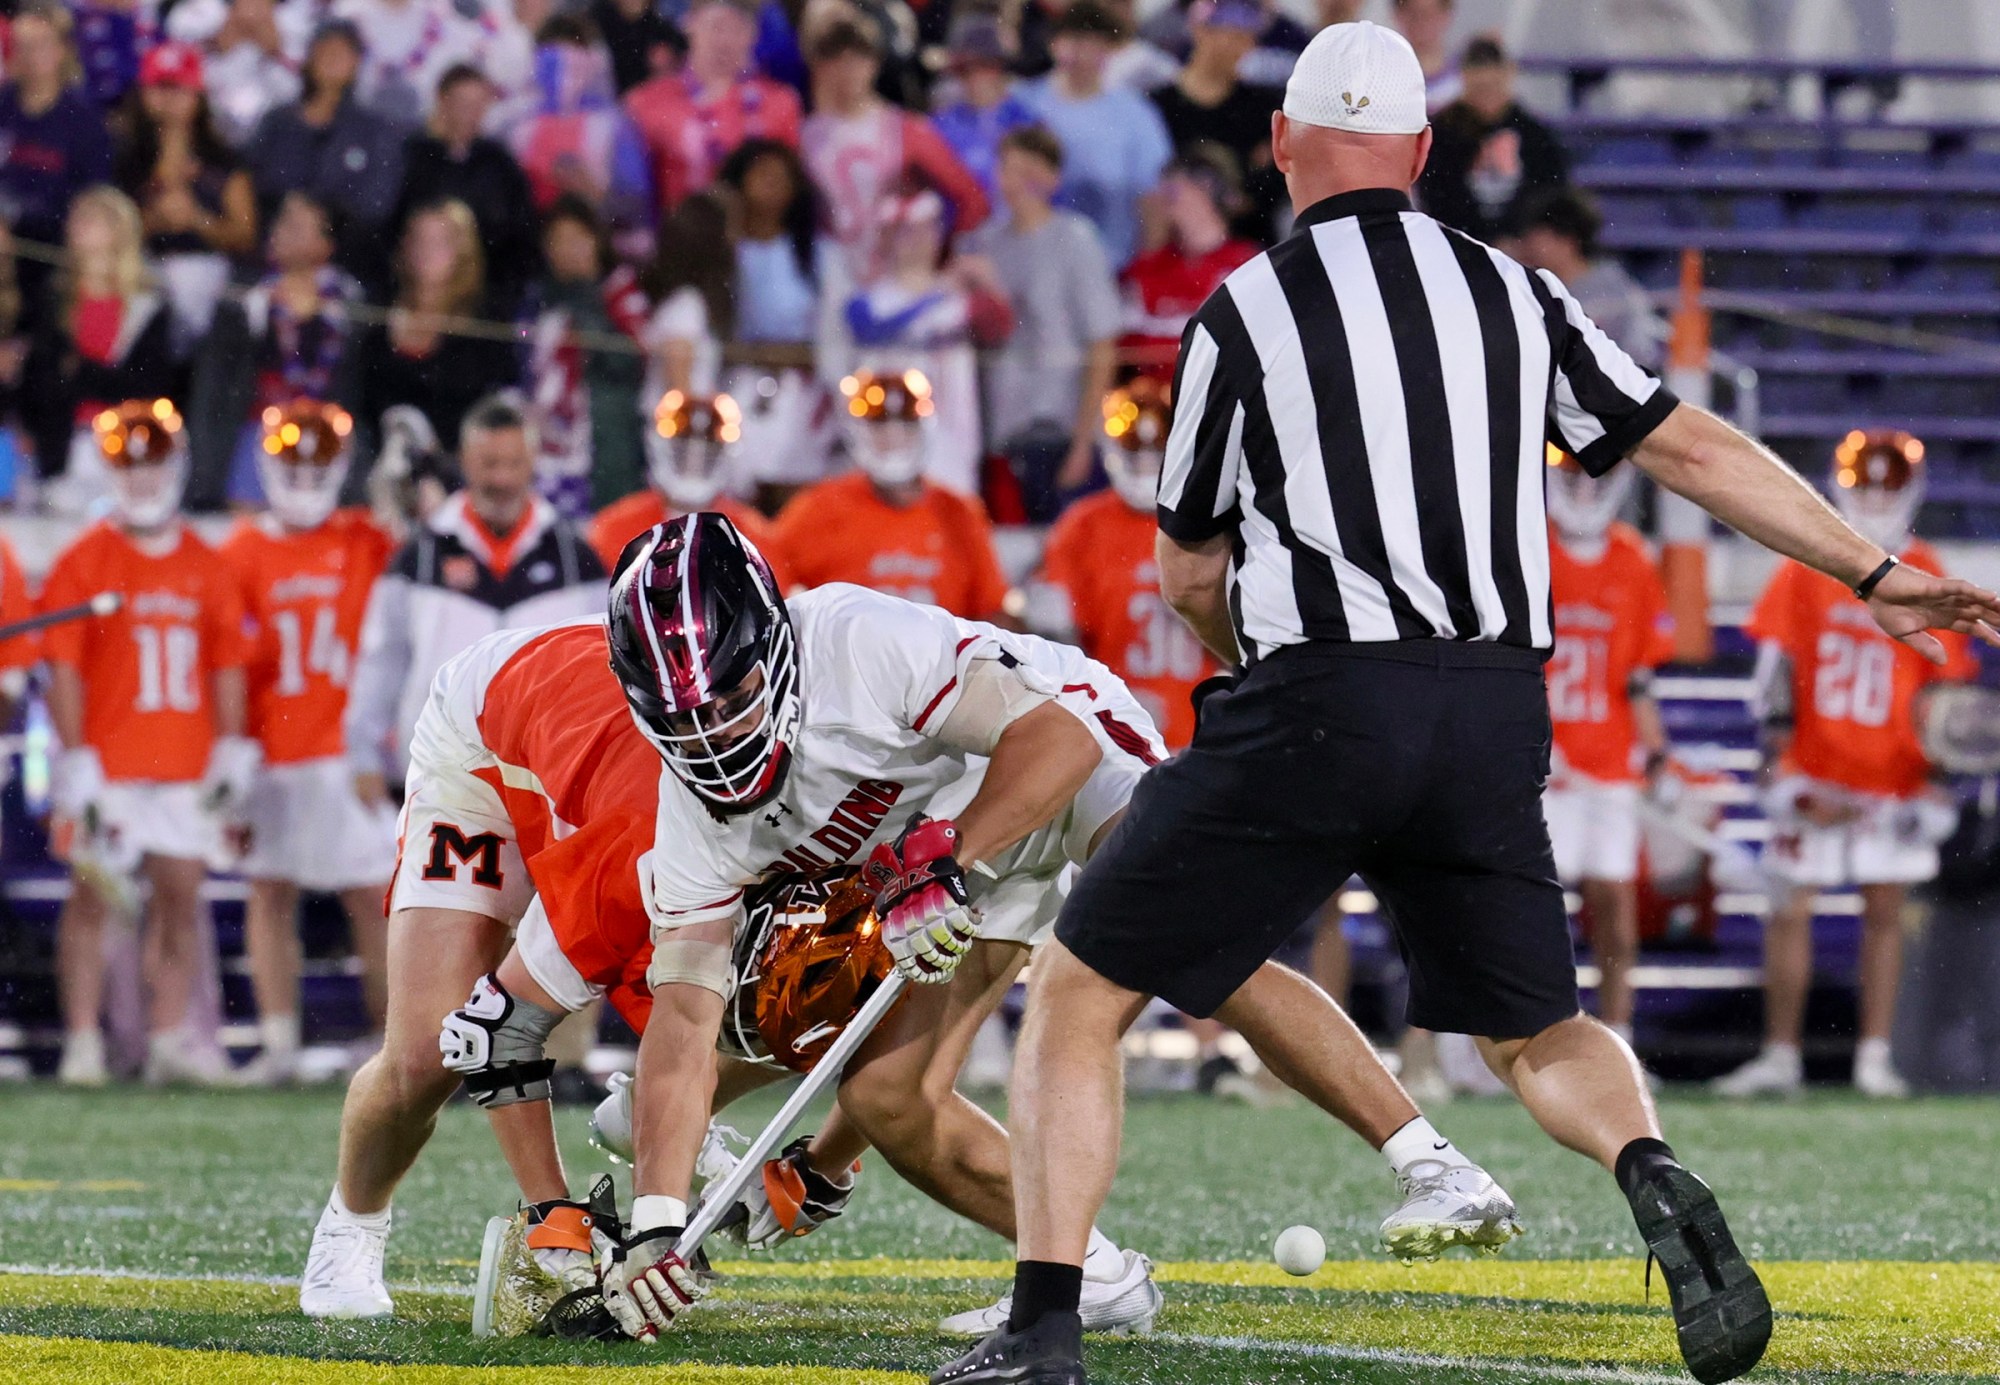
(21, 653)
(1612, 630)
(305, 571)
(1850, 800)
(884, 526)
(691, 450)
(1100, 584)
(149, 706)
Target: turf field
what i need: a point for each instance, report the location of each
(145, 1237)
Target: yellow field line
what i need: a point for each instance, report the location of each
(79, 1361)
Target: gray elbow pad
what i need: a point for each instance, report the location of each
(497, 1043)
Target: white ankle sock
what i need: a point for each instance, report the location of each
(1103, 1260)
(338, 1206)
(1789, 1052)
(279, 1033)
(1872, 1053)
(1416, 1141)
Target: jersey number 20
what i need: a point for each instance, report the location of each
(1855, 680)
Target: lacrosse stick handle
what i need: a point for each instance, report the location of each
(719, 1197)
(103, 604)
(1703, 839)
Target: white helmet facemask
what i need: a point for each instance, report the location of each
(302, 495)
(1135, 475)
(1583, 507)
(889, 451)
(689, 471)
(1883, 516)
(148, 495)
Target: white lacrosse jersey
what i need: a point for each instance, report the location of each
(878, 675)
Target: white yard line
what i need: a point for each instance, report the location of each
(1326, 1351)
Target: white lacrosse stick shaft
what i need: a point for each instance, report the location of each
(719, 1197)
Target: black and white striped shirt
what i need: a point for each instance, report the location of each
(1365, 405)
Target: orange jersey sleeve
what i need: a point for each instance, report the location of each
(809, 531)
(16, 603)
(1854, 689)
(147, 669)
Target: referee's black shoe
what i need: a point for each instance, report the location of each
(1048, 1353)
(1720, 1308)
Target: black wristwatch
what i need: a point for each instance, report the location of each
(1873, 580)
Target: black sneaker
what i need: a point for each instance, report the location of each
(1049, 1353)
(1720, 1308)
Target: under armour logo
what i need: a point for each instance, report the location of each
(777, 815)
(1353, 106)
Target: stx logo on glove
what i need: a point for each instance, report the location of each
(928, 922)
(447, 843)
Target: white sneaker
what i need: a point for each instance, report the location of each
(1773, 1072)
(1125, 1305)
(83, 1060)
(174, 1060)
(270, 1068)
(343, 1275)
(1875, 1075)
(1446, 1205)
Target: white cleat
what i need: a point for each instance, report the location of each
(174, 1059)
(1126, 1305)
(1879, 1079)
(1774, 1072)
(343, 1276)
(1447, 1205)
(83, 1060)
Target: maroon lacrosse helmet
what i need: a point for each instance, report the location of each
(702, 644)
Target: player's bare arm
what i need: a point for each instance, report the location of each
(1746, 486)
(1037, 766)
(1194, 580)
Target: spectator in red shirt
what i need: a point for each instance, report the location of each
(697, 117)
(861, 150)
(1163, 287)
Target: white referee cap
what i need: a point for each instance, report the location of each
(1358, 77)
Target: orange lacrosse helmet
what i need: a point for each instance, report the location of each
(818, 957)
(1878, 483)
(887, 417)
(302, 459)
(1137, 418)
(144, 443)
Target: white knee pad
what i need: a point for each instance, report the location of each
(496, 1042)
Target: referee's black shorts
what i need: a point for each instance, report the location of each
(1418, 765)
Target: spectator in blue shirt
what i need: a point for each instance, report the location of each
(53, 142)
(1115, 145)
(988, 106)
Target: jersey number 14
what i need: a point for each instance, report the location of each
(324, 653)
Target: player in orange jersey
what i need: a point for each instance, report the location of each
(1612, 630)
(1100, 584)
(149, 705)
(1850, 800)
(305, 571)
(885, 526)
(524, 738)
(691, 451)
(21, 653)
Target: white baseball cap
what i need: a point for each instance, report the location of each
(1358, 77)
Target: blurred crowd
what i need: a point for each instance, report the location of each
(399, 205)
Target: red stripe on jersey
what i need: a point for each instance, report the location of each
(944, 691)
(1128, 739)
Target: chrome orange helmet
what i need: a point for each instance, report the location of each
(888, 417)
(815, 957)
(144, 443)
(1878, 484)
(689, 446)
(1137, 419)
(302, 453)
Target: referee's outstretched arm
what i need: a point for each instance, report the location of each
(1741, 483)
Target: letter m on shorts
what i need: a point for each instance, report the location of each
(450, 848)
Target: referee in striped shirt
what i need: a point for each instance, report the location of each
(1351, 513)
